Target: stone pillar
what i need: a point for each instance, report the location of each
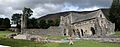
(23, 23)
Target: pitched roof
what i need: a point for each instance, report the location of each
(81, 17)
(78, 14)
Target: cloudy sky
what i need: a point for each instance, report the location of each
(43, 7)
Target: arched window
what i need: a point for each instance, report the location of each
(74, 32)
(64, 32)
(78, 33)
(82, 32)
(101, 15)
(93, 30)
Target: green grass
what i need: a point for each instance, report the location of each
(17, 42)
(4, 33)
(117, 33)
(20, 43)
(27, 43)
(55, 37)
(83, 43)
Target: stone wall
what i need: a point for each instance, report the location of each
(52, 31)
(104, 39)
(92, 24)
(14, 29)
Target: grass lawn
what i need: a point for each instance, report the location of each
(55, 37)
(117, 33)
(4, 33)
(83, 43)
(16, 42)
(27, 43)
(20, 43)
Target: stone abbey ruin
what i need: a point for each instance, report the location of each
(73, 23)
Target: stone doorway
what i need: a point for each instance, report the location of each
(64, 32)
(82, 32)
(74, 32)
(78, 33)
(93, 31)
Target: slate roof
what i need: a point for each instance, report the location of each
(78, 15)
(82, 17)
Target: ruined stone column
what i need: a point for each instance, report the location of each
(23, 23)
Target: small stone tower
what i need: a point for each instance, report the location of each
(23, 22)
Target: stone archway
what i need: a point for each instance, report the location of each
(93, 31)
(78, 33)
(74, 32)
(82, 32)
(64, 32)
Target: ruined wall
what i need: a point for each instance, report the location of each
(85, 27)
(52, 31)
(106, 26)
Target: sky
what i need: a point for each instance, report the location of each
(44, 7)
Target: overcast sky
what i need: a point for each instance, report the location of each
(43, 7)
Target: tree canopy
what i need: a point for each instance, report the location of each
(16, 18)
(27, 12)
(115, 14)
(4, 23)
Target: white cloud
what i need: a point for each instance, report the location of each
(2, 16)
(69, 7)
(90, 9)
(43, 7)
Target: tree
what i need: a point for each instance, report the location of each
(32, 23)
(57, 22)
(50, 23)
(27, 12)
(115, 14)
(16, 19)
(7, 22)
(1, 21)
(4, 23)
(43, 24)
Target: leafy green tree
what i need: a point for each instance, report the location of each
(27, 12)
(16, 19)
(42, 24)
(7, 22)
(115, 14)
(4, 23)
(32, 23)
(1, 21)
(57, 22)
(50, 23)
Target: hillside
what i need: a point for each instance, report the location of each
(57, 15)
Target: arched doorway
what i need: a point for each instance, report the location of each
(93, 30)
(78, 33)
(74, 32)
(82, 32)
(64, 32)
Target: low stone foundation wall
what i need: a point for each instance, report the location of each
(52, 31)
(104, 39)
(14, 29)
